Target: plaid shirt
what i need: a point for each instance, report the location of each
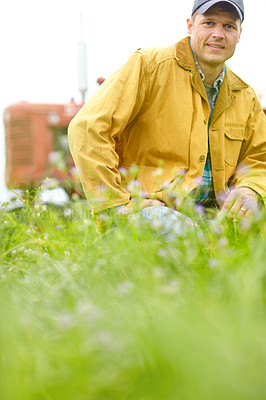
(205, 191)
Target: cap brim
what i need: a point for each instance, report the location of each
(202, 9)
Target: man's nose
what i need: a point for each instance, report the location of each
(218, 32)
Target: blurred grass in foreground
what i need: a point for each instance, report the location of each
(127, 316)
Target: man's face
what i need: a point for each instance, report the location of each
(214, 36)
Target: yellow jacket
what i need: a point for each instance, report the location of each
(155, 109)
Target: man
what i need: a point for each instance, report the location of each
(180, 108)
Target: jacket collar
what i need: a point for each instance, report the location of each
(186, 60)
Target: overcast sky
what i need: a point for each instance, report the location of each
(39, 45)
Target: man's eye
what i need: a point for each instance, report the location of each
(209, 23)
(229, 26)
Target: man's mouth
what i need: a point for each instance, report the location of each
(216, 46)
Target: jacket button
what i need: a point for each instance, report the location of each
(202, 158)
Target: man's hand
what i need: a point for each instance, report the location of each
(137, 205)
(241, 202)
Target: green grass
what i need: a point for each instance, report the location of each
(125, 315)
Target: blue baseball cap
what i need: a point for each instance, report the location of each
(201, 6)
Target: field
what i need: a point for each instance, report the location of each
(123, 314)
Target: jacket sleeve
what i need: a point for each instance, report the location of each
(93, 132)
(252, 161)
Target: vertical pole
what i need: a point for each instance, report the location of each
(82, 63)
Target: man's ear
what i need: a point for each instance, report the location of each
(239, 34)
(189, 26)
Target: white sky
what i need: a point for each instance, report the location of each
(38, 44)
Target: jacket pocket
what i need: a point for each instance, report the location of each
(232, 144)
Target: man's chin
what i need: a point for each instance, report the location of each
(215, 61)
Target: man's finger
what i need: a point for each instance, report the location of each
(229, 202)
